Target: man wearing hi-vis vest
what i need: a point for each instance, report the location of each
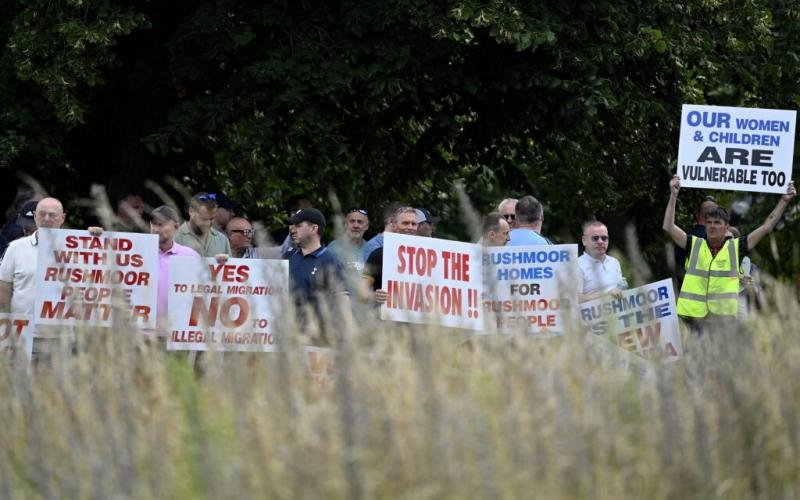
(711, 285)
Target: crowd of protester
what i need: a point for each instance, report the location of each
(715, 275)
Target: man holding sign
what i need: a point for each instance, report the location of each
(711, 286)
(18, 269)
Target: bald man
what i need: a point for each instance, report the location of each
(18, 268)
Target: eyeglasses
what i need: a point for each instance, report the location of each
(207, 197)
(510, 217)
(245, 232)
(599, 238)
(362, 211)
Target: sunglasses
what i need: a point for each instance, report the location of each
(245, 232)
(362, 211)
(207, 197)
(510, 217)
(599, 238)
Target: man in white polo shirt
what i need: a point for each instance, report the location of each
(600, 274)
(18, 268)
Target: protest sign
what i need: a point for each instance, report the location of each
(95, 280)
(644, 321)
(431, 281)
(16, 334)
(738, 149)
(530, 289)
(231, 306)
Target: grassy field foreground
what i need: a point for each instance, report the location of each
(411, 412)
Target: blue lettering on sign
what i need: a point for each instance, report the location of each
(767, 125)
(535, 257)
(525, 273)
(708, 119)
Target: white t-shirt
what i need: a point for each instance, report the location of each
(19, 268)
(599, 276)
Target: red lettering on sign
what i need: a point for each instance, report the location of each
(413, 260)
(229, 272)
(456, 266)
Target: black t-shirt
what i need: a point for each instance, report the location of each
(373, 268)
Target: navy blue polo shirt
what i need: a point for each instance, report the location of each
(314, 275)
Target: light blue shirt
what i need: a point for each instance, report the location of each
(375, 243)
(525, 237)
(351, 256)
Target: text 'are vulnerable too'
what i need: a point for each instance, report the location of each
(743, 149)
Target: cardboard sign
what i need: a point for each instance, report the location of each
(431, 281)
(16, 335)
(227, 307)
(530, 289)
(95, 280)
(644, 321)
(738, 149)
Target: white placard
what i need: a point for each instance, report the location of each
(530, 289)
(738, 149)
(231, 306)
(432, 281)
(16, 335)
(644, 321)
(90, 280)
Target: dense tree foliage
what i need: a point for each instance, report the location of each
(575, 102)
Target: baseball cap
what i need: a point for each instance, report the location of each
(165, 213)
(25, 217)
(311, 215)
(425, 216)
(225, 202)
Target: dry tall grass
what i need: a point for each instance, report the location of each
(410, 412)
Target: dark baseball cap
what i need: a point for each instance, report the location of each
(25, 217)
(311, 215)
(225, 202)
(165, 213)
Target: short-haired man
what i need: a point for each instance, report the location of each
(710, 288)
(508, 211)
(18, 277)
(405, 222)
(349, 247)
(600, 273)
(698, 229)
(240, 235)
(18, 268)
(197, 233)
(316, 277)
(164, 222)
(495, 230)
(426, 223)
(226, 209)
(129, 214)
(529, 217)
(281, 236)
(388, 224)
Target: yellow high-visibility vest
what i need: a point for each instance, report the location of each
(711, 284)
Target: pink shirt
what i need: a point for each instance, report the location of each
(163, 281)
